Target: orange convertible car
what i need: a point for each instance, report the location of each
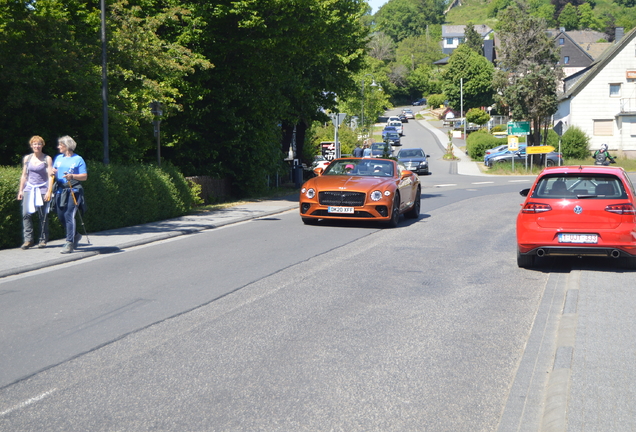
(361, 189)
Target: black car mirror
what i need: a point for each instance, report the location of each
(524, 192)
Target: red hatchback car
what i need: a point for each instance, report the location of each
(578, 211)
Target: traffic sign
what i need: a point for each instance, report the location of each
(337, 118)
(539, 149)
(513, 142)
(519, 128)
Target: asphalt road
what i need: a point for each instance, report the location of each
(274, 325)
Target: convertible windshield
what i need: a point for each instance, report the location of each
(577, 186)
(360, 167)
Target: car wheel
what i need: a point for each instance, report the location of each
(395, 212)
(414, 213)
(525, 261)
(549, 163)
(310, 221)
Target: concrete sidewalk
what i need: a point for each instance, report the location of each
(465, 166)
(16, 261)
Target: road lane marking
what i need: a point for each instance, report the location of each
(488, 182)
(444, 185)
(27, 402)
(518, 181)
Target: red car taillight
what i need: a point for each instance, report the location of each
(622, 209)
(532, 207)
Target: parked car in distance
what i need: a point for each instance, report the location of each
(388, 129)
(319, 161)
(553, 158)
(419, 102)
(414, 159)
(378, 149)
(362, 189)
(503, 151)
(497, 149)
(398, 126)
(578, 211)
(392, 138)
(408, 113)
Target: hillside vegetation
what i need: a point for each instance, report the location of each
(600, 15)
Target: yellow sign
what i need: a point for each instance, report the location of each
(513, 142)
(539, 149)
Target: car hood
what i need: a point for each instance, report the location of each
(413, 159)
(350, 183)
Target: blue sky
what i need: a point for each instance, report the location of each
(376, 4)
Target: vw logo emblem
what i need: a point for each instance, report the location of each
(578, 210)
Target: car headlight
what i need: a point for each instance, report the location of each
(424, 163)
(309, 193)
(376, 195)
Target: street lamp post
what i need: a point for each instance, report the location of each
(155, 108)
(104, 84)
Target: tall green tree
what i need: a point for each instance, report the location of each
(477, 75)
(400, 19)
(277, 65)
(569, 17)
(473, 39)
(588, 19)
(528, 73)
(50, 65)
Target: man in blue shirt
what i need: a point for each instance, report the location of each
(69, 170)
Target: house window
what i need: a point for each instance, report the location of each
(603, 127)
(461, 40)
(566, 60)
(561, 41)
(615, 90)
(449, 41)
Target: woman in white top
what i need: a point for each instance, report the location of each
(35, 191)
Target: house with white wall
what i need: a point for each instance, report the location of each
(453, 35)
(601, 99)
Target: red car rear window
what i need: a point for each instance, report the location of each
(571, 186)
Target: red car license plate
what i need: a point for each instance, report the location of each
(578, 238)
(340, 209)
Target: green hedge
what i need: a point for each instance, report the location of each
(117, 196)
(480, 141)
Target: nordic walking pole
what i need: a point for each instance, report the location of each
(79, 213)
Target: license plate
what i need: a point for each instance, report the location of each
(578, 238)
(340, 209)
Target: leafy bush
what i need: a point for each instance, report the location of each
(435, 100)
(574, 143)
(117, 196)
(499, 128)
(477, 116)
(480, 141)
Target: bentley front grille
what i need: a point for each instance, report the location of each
(341, 198)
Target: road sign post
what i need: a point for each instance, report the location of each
(337, 119)
(519, 128)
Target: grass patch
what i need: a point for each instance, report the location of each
(520, 169)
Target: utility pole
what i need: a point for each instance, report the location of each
(104, 84)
